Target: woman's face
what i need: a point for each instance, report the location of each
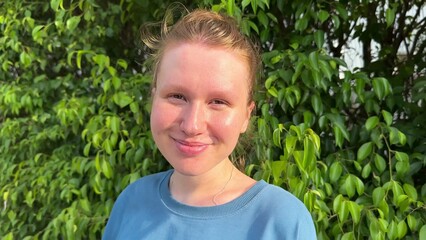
(200, 106)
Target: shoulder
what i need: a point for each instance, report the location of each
(128, 209)
(286, 212)
(279, 197)
(145, 184)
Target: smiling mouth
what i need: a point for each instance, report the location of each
(190, 148)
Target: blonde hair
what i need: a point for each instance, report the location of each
(206, 27)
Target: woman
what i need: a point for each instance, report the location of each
(204, 74)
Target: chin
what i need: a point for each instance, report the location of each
(190, 169)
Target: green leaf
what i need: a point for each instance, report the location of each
(366, 171)
(253, 26)
(397, 191)
(122, 146)
(73, 22)
(401, 156)
(276, 137)
(107, 146)
(301, 23)
(325, 69)
(388, 117)
(392, 230)
(98, 162)
(364, 151)
(87, 149)
(336, 21)
(378, 196)
(373, 226)
(272, 17)
(371, 122)
(8, 236)
(36, 30)
(54, 4)
(254, 4)
(79, 56)
(273, 91)
(422, 233)
(122, 63)
(25, 59)
(343, 13)
(116, 82)
(308, 155)
(115, 124)
(410, 191)
(350, 185)
(319, 38)
(403, 202)
(338, 122)
(412, 222)
(336, 170)
(290, 143)
(380, 163)
(230, 7)
(381, 87)
(337, 203)
(323, 15)
(270, 80)
(402, 138)
(359, 89)
(338, 136)
(277, 169)
(122, 99)
(263, 19)
(343, 211)
(85, 205)
(390, 16)
(113, 138)
(245, 3)
(308, 118)
(298, 71)
(317, 104)
(313, 60)
(107, 169)
(96, 138)
(355, 211)
(309, 200)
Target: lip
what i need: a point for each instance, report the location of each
(190, 148)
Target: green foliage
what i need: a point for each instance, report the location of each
(73, 115)
(338, 141)
(75, 100)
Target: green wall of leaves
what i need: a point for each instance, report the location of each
(75, 101)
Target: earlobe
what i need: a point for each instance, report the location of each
(250, 108)
(247, 121)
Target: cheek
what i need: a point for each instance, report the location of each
(161, 117)
(230, 125)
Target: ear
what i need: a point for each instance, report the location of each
(250, 108)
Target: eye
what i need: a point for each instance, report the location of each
(219, 102)
(176, 97)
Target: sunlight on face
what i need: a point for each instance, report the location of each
(199, 106)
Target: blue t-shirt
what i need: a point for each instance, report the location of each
(146, 210)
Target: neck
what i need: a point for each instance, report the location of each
(202, 190)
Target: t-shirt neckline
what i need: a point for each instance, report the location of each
(207, 212)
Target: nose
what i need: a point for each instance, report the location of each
(193, 120)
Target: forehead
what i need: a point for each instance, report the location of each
(200, 63)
